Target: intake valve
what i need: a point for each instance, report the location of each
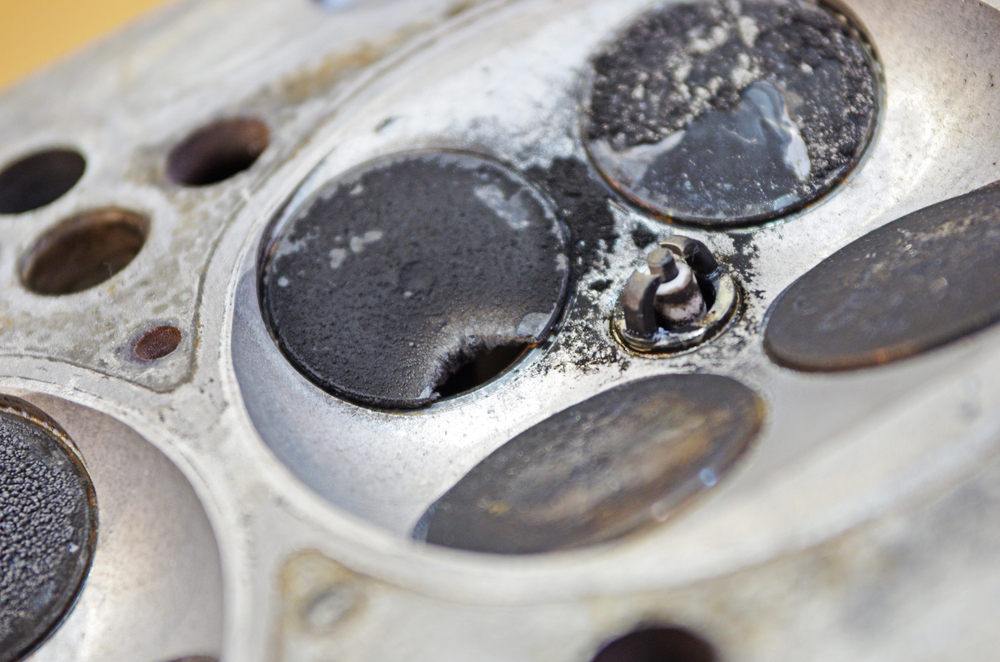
(667, 296)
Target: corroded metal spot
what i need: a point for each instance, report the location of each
(398, 273)
(618, 462)
(47, 527)
(919, 282)
(724, 114)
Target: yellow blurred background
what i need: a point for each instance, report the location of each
(36, 32)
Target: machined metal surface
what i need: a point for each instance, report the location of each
(247, 514)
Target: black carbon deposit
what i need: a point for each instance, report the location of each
(621, 461)
(724, 113)
(402, 271)
(919, 282)
(582, 203)
(47, 530)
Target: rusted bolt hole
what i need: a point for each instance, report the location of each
(158, 342)
(39, 179)
(218, 151)
(475, 369)
(658, 645)
(83, 251)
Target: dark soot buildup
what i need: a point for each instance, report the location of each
(723, 118)
(582, 200)
(919, 282)
(47, 530)
(402, 272)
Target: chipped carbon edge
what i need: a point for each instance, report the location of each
(282, 219)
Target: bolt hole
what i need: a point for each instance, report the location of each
(218, 151)
(658, 645)
(84, 251)
(157, 343)
(478, 367)
(39, 179)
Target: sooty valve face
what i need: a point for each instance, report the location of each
(723, 114)
(47, 528)
(919, 282)
(412, 270)
(621, 461)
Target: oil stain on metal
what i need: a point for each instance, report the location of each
(402, 271)
(619, 462)
(919, 282)
(723, 113)
(47, 528)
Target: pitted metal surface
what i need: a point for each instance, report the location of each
(247, 514)
(48, 528)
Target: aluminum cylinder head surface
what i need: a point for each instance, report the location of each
(358, 327)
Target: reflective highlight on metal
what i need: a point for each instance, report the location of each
(397, 274)
(924, 280)
(724, 114)
(48, 526)
(655, 316)
(609, 466)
